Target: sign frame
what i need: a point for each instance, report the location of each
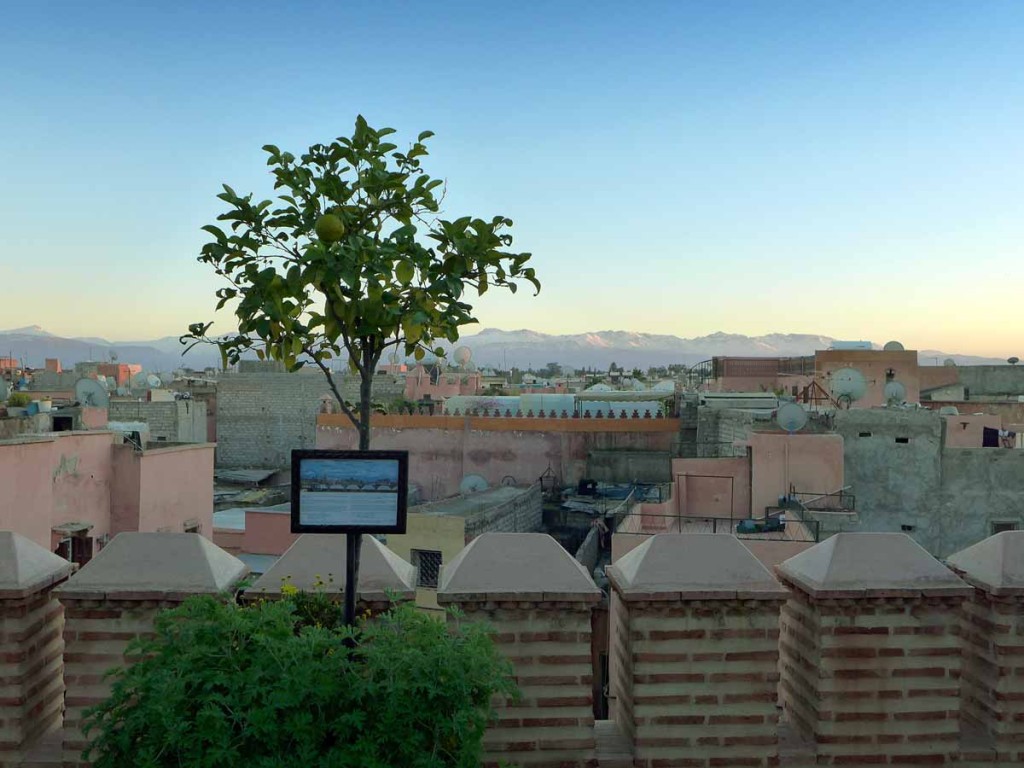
(300, 455)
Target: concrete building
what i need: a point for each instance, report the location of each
(171, 420)
(264, 413)
(73, 491)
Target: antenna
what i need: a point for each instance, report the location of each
(848, 386)
(892, 346)
(791, 417)
(91, 393)
(472, 484)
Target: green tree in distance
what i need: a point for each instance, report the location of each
(351, 258)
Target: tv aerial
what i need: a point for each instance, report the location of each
(848, 386)
(91, 393)
(791, 417)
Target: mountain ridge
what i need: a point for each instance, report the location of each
(490, 347)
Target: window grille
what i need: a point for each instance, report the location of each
(428, 567)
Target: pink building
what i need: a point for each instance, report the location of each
(437, 384)
(71, 491)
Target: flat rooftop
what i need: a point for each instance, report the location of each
(472, 504)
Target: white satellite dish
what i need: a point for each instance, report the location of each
(895, 393)
(139, 381)
(153, 382)
(665, 386)
(639, 386)
(91, 393)
(892, 346)
(848, 386)
(949, 410)
(462, 356)
(598, 388)
(166, 378)
(104, 382)
(949, 362)
(472, 484)
(791, 417)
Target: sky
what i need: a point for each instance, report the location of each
(848, 169)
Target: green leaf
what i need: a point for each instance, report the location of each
(424, 135)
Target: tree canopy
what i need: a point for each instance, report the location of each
(351, 258)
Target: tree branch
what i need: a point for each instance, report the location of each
(334, 387)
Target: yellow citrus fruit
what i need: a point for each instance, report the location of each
(330, 228)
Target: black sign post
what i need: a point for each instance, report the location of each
(350, 492)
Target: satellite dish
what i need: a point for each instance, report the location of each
(599, 388)
(91, 393)
(166, 378)
(895, 393)
(139, 381)
(892, 346)
(462, 356)
(104, 382)
(123, 391)
(665, 386)
(949, 362)
(472, 484)
(949, 410)
(153, 382)
(791, 417)
(1013, 360)
(848, 386)
(5, 390)
(639, 386)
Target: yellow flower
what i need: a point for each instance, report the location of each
(289, 590)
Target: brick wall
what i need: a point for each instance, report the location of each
(96, 634)
(552, 724)
(175, 421)
(31, 686)
(262, 416)
(873, 680)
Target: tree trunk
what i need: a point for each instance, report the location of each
(355, 540)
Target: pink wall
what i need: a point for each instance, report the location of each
(444, 449)
(267, 533)
(94, 418)
(932, 376)
(873, 365)
(810, 463)
(418, 386)
(26, 498)
(81, 474)
(966, 430)
(176, 486)
(712, 487)
(125, 489)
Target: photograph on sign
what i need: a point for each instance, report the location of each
(335, 491)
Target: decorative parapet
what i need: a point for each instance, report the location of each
(318, 561)
(870, 651)
(992, 698)
(538, 600)
(31, 644)
(115, 598)
(695, 652)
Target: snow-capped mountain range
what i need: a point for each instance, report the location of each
(491, 347)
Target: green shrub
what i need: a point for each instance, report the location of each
(18, 399)
(263, 686)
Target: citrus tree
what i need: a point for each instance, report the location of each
(351, 258)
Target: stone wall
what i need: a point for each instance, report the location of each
(262, 416)
(174, 421)
(523, 514)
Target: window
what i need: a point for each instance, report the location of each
(192, 526)
(1002, 526)
(865, 434)
(903, 440)
(428, 567)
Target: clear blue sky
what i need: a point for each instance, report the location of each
(847, 168)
